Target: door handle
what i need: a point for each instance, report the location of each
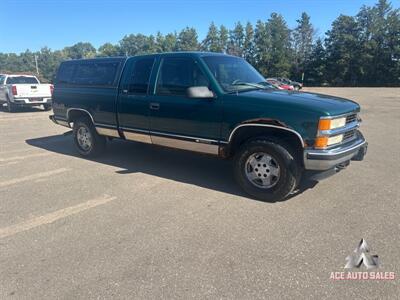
(155, 106)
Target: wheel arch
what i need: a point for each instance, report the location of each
(75, 113)
(245, 132)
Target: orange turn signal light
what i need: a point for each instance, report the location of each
(321, 142)
(324, 124)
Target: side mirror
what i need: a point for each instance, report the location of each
(200, 92)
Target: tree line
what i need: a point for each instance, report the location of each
(360, 50)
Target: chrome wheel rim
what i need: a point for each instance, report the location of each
(84, 138)
(262, 170)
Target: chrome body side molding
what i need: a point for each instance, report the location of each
(107, 131)
(185, 144)
(172, 140)
(137, 137)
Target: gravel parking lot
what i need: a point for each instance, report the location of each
(146, 222)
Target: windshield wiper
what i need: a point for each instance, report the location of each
(255, 85)
(250, 84)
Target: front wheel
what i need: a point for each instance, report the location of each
(88, 142)
(266, 170)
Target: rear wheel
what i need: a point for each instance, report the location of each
(266, 170)
(87, 141)
(10, 106)
(47, 107)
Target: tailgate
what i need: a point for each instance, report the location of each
(33, 90)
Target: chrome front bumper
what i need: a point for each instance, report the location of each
(331, 158)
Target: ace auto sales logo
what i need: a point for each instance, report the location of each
(362, 265)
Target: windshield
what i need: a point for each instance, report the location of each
(234, 74)
(22, 80)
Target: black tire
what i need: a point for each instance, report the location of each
(47, 107)
(10, 106)
(97, 142)
(289, 169)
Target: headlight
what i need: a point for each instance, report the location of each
(328, 124)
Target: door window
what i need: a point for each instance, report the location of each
(138, 79)
(178, 74)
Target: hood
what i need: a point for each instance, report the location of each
(323, 104)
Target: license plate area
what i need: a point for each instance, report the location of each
(35, 99)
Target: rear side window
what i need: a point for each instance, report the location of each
(21, 80)
(2, 79)
(65, 73)
(137, 81)
(88, 73)
(95, 73)
(177, 75)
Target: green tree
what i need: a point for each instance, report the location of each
(316, 66)
(279, 48)
(302, 41)
(236, 40)
(248, 44)
(380, 40)
(80, 50)
(170, 42)
(360, 50)
(211, 41)
(261, 46)
(344, 52)
(108, 49)
(48, 62)
(136, 44)
(165, 43)
(223, 38)
(187, 40)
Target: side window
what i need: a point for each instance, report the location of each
(137, 81)
(95, 73)
(65, 73)
(178, 74)
(2, 79)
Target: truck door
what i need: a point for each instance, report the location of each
(182, 122)
(133, 100)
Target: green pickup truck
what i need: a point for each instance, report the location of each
(210, 103)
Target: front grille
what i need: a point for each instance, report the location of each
(351, 118)
(349, 135)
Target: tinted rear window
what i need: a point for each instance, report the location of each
(65, 73)
(21, 80)
(88, 73)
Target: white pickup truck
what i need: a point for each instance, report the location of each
(24, 90)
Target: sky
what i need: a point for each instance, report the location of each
(33, 24)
